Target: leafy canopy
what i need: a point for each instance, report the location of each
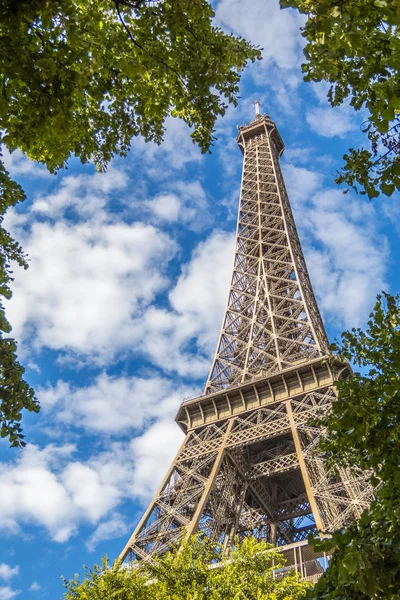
(364, 431)
(83, 77)
(185, 574)
(15, 393)
(355, 46)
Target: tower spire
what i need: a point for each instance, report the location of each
(257, 107)
(272, 319)
(250, 464)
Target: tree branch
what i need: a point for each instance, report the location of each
(124, 25)
(384, 155)
(156, 58)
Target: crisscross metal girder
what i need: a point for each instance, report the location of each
(250, 463)
(225, 470)
(274, 466)
(269, 267)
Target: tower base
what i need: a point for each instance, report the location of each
(250, 466)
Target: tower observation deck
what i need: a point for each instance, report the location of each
(250, 463)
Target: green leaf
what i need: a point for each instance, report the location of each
(354, 46)
(363, 430)
(185, 574)
(388, 188)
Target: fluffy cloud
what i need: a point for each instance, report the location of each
(176, 152)
(93, 278)
(30, 491)
(6, 593)
(112, 404)
(277, 32)
(19, 165)
(330, 122)
(7, 572)
(89, 278)
(301, 183)
(346, 282)
(202, 289)
(108, 530)
(49, 488)
(154, 452)
(265, 24)
(185, 202)
(166, 207)
(183, 338)
(391, 210)
(351, 267)
(86, 194)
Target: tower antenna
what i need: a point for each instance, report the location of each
(257, 107)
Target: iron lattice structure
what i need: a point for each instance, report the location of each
(250, 463)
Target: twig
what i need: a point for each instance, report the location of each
(386, 153)
(126, 27)
(156, 58)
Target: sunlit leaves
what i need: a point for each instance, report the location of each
(185, 574)
(355, 46)
(71, 85)
(15, 393)
(364, 431)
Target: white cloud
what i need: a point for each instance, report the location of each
(108, 530)
(112, 404)
(265, 24)
(6, 593)
(7, 572)
(35, 587)
(301, 182)
(166, 207)
(19, 165)
(183, 339)
(87, 194)
(202, 289)
(391, 210)
(154, 452)
(320, 89)
(87, 281)
(40, 489)
(277, 33)
(30, 491)
(345, 254)
(330, 122)
(176, 152)
(185, 202)
(48, 488)
(90, 288)
(354, 256)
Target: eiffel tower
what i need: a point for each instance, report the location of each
(250, 464)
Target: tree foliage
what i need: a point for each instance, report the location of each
(185, 574)
(355, 46)
(83, 77)
(15, 393)
(364, 431)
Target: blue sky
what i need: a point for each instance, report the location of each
(118, 316)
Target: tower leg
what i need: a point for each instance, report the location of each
(208, 487)
(257, 472)
(303, 468)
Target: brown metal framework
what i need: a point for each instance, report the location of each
(250, 463)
